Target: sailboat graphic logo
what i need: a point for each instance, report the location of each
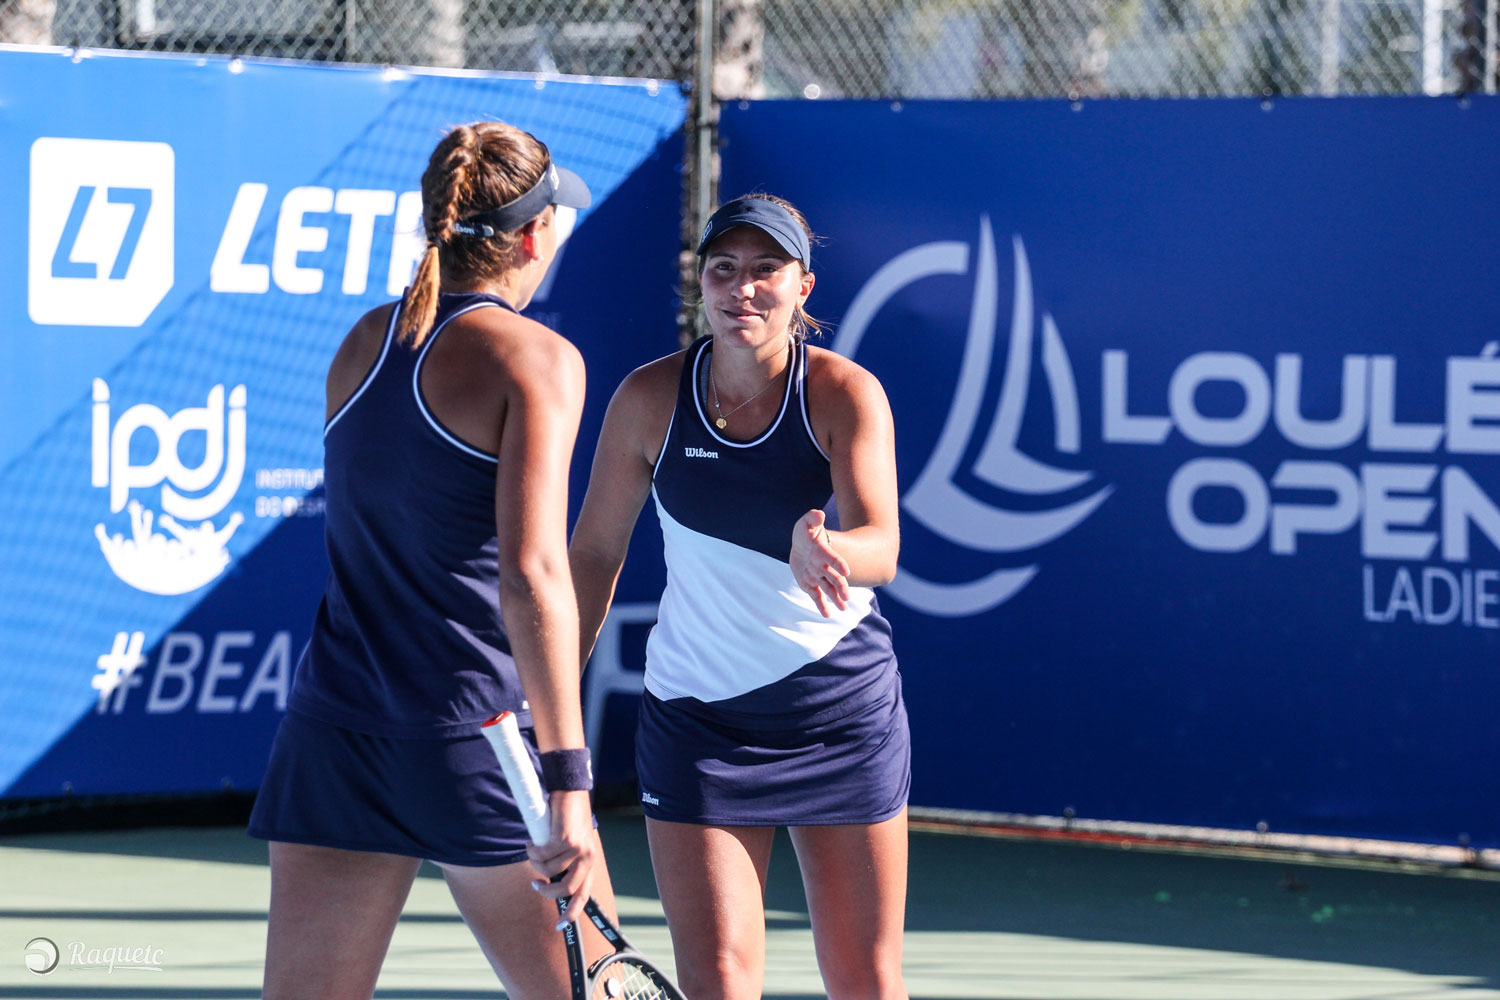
(934, 499)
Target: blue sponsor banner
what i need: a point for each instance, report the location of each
(199, 234)
(1198, 410)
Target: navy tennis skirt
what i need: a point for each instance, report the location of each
(443, 800)
(693, 768)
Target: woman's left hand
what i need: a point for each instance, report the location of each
(571, 855)
(816, 566)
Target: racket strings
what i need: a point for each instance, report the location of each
(628, 980)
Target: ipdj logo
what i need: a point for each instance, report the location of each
(41, 955)
(186, 556)
(934, 498)
(100, 250)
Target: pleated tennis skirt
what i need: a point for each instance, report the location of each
(443, 800)
(694, 768)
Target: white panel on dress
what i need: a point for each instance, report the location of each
(733, 619)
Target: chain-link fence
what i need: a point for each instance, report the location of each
(635, 38)
(842, 48)
(835, 48)
(1135, 48)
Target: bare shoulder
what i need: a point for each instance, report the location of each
(836, 381)
(642, 407)
(376, 321)
(365, 337)
(356, 355)
(494, 343)
(653, 384)
(490, 364)
(844, 402)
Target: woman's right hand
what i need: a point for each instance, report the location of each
(817, 566)
(571, 851)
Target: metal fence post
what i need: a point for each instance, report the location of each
(699, 175)
(1491, 45)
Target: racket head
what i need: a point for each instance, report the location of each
(623, 975)
(626, 973)
(628, 976)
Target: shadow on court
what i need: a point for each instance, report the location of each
(1434, 923)
(1429, 922)
(1059, 919)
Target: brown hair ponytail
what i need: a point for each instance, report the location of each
(419, 305)
(473, 169)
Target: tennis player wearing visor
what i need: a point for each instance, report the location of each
(772, 695)
(450, 427)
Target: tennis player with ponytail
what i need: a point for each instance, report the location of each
(772, 695)
(450, 426)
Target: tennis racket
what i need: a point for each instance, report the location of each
(625, 974)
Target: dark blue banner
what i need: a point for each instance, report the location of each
(1198, 410)
(199, 233)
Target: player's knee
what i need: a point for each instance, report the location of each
(728, 974)
(865, 980)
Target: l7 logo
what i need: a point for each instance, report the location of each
(101, 232)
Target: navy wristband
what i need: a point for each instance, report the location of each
(567, 771)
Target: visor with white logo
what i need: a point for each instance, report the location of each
(767, 216)
(557, 186)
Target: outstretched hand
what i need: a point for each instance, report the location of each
(570, 854)
(817, 566)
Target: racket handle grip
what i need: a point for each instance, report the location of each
(504, 737)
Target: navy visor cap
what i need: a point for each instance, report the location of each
(767, 216)
(558, 186)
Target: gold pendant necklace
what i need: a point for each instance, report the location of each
(723, 419)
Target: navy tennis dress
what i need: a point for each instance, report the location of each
(380, 749)
(758, 710)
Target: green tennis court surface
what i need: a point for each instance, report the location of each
(987, 918)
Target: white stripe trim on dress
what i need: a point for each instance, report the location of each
(662, 454)
(416, 386)
(708, 424)
(806, 416)
(385, 348)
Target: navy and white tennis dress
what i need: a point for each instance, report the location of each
(380, 749)
(758, 710)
